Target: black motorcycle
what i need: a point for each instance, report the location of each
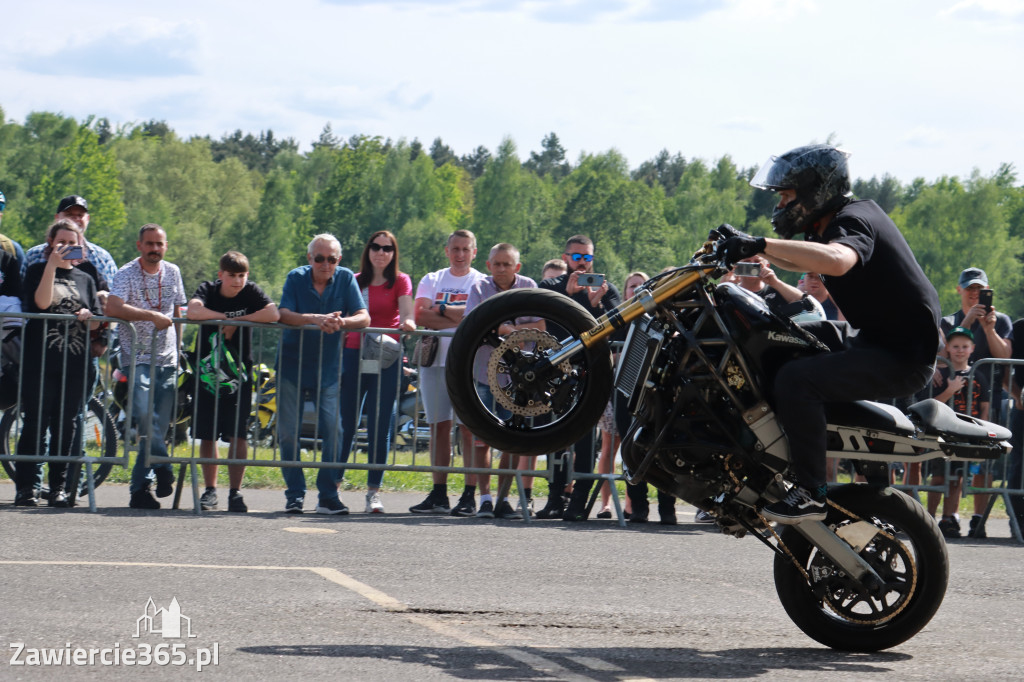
(696, 368)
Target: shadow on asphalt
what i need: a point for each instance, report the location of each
(481, 663)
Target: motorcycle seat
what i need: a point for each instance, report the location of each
(870, 415)
(939, 419)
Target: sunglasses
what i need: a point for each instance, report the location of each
(577, 257)
(321, 258)
(386, 248)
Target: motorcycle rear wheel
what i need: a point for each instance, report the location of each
(914, 566)
(582, 398)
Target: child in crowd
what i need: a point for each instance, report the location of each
(957, 387)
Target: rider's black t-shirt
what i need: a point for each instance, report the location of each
(885, 295)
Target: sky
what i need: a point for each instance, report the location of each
(912, 88)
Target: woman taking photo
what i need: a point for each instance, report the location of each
(59, 351)
(388, 296)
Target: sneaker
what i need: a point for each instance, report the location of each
(950, 527)
(798, 505)
(977, 529)
(26, 498)
(164, 481)
(604, 514)
(143, 499)
(373, 504)
(465, 507)
(332, 506)
(704, 517)
(434, 504)
(639, 515)
(529, 506)
(667, 516)
(553, 509)
(236, 503)
(486, 510)
(208, 500)
(58, 499)
(293, 506)
(504, 510)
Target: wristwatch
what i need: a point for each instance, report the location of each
(442, 309)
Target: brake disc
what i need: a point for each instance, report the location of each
(505, 393)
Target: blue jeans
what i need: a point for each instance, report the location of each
(163, 381)
(376, 394)
(290, 400)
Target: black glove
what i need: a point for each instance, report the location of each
(725, 231)
(735, 249)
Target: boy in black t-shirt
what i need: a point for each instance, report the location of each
(223, 360)
(956, 386)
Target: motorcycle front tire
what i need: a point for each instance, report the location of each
(897, 514)
(519, 437)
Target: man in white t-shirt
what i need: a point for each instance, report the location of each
(440, 303)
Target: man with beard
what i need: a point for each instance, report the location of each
(579, 257)
(149, 292)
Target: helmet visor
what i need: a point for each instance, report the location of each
(771, 175)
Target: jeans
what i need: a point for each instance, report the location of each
(153, 420)
(290, 400)
(376, 395)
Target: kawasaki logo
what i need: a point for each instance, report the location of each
(786, 338)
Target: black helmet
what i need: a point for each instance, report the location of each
(819, 175)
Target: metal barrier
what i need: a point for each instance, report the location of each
(1004, 475)
(95, 443)
(409, 437)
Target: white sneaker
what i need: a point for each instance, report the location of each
(373, 504)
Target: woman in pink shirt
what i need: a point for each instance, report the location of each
(388, 296)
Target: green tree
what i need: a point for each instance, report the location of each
(952, 225)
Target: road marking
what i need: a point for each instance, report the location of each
(294, 529)
(534, 661)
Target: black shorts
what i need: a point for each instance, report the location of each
(224, 418)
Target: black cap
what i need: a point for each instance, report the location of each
(72, 200)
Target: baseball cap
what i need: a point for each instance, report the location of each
(72, 200)
(973, 276)
(960, 331)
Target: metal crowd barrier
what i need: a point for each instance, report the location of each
(409, 438)
(1005, 477)
(96, 446)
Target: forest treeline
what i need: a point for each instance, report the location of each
(261, 195)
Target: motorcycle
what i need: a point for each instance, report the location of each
(697, 368)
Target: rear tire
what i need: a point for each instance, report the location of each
(915, 568)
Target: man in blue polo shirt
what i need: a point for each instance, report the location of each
(308, 366)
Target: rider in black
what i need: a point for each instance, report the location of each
(875, 280)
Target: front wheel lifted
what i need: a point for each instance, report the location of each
(905, 549)
(538, 407)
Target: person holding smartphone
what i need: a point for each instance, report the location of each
(59, 351)
(992, 330)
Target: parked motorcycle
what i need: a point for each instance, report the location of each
(697, 369)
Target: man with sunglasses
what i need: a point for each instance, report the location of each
(579, 257)
(325, 295)
(6, 243)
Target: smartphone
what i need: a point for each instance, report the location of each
(985, 299)
(588, 279)
(74, 252)
(752, 270)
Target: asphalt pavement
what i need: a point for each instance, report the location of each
(267, 595)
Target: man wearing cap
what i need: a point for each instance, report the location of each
(76, 209)
(6, 243)
(992, 331)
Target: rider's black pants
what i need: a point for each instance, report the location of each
(802, 387)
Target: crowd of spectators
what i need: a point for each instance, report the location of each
(351, 377)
